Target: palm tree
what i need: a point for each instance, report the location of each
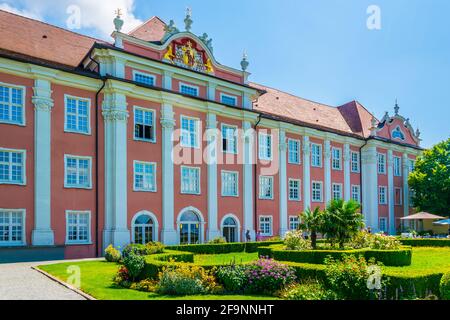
(312, 221)
(343, 220)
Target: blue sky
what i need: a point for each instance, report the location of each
(320, 50)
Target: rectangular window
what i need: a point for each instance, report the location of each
(266, 187)
(144, 176)
(77, 115)
(383, 224)
(411, 165)
(293, 223)
(190, 180)
(189, 90)
(144, 124)
(228, 100)
(317, 191)
(144, 78)
(78, 224)
(337, 191)
(382, 195)
(229, 139)
(411, 197)
(230, 183)
(397, 166)
(265, 146)
(189, 132)
(294, 151)
(355, 162)
(356, 193)
(316, 155)
(381, 163)
(398, 196)
(77, 172)
(265, 226)
(12, 227)
(336, 158)
(12, 166)
(12, 102)
(294, 190)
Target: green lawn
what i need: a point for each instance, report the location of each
(96, 280)
(222, 259)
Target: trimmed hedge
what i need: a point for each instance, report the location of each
(251, 247)
(220, 248)
(401, 257)
(156, 262)
(444, 286)
(426, 242)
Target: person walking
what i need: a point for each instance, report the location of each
(247, 236)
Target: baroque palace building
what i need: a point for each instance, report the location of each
(149, 138)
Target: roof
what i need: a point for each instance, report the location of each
(151, 30)
(423, 216)
(43, 41)
(351, 118)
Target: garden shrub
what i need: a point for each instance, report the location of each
(218, 240)
(265, 252)
(211, 248)
(134, 264)
(382, 242)
(426, 242)
(444, 286)
(294, 241)
(154, 248)
(394, 258)
(309, 290)
(122, 277)
(232, 277)
(412, 286)
(253, 246)
(154, 264)
(361, 240)
(186, 280)
(112, 254)
(137, 249)
(146, 285)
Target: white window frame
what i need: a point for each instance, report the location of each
(23, 88)
(385, 221)
(24, 227)
(261, 195)
(183, 84)
(236, 173)
(24, 167)
(269, 234)
(291, 222)
(353, 162)
(358, 187)
(296, 141)
(67, 96)
(267, 138)
(319, 156)
(397, 166)
(299, 188)
(411, 165)
(400, 203)
(381, 164)
(79, 242)
(222, 95)
(198, 183)
(66, 185)
(155, 166)
(152, 76)
(382, 200)
(235, 151)
(197, 131)
(336, 163)
(153, 125)
(334, 192)
(321, 191)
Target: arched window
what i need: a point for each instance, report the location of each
(143, 229)
(398, 134)
(230, 229)
(190, 228)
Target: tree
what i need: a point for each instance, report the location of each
(430, 180)
(342, 220)
(312, 221)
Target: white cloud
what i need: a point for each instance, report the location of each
(98, 15)
(25, 13)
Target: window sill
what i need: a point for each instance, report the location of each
(190, 194)
(13, 123)
(77, 188)
(144, 140)
(13, 183)
(78, 132)
(79, 243)
(145, 191)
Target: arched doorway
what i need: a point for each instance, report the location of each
(144, 228)
(190, 226)
(230, 228)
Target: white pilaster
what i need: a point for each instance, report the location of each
(168, 233)
(347, 183)
(248, 141)
(306, 173)
(167, 80)
(212, 91)
(370, 186)
(327, 167)
(247, 101)
(211, 154)
(283, 184)
(115, 117)
(405, 184)
(42, 234)
(391, 209)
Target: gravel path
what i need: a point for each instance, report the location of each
(18, 281)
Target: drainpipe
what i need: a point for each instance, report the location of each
(255, 179)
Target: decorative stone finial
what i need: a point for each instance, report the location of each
(418, 133)
(407, 123)
(118, 22)
(396, 108)
(208, 42)
(244, 62)
(188, 21)
(171, 28)
(373, 128)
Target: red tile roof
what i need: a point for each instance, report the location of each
(152, 30)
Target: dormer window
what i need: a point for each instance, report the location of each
(398, 134)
